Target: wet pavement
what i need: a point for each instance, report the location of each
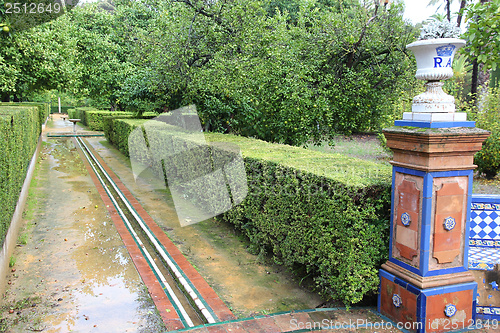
(72, 271)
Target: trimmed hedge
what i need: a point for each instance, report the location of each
(80, 113)
(94, 119)
(110, 131)
(118, 130)
(325, 216)
(43, 108)
(64, 109)
(20, 128)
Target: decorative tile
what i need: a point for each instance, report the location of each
(407, 207)
(449, 223)
(405, 219)
(491, 310)
(483, 254)
(483, 258)
(396, 300)
(481, 266)
(450, 310)
(485, 206)
(485, 225)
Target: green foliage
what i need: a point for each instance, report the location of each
(34, 60)
(488, 158)
(43, 108)
(110, 131)
(294, 72)
(483, 33)
(95, 121)
(80, 113)
(326, 215)
(117, 131)
(294, 75)
(20, 128)
(12, 261)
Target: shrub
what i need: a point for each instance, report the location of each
(43, 108)
(108, 127)
(326, 215)
(95, 118)
(323, 215)
(118, 130)
(79, 113)
(488, 158)
(20, 128)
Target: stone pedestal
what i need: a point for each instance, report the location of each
(426, 285)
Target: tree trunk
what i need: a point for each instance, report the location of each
(448, 10)
(475, 75)
(475, 72)
(460, 16)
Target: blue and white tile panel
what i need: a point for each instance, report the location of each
(483, 258)
(485, 225)
(490, 310)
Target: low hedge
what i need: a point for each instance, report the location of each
(64, 109)
(80, 113)
(94, 119)
(110, 131)
(325, 216)
(117, 131)
(20, 128)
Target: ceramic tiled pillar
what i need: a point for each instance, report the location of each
(426, 285)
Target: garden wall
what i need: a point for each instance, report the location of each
(325, 216)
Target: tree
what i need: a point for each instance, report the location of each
(448, 4)
(105, 36)
(34, 60)
(336, 67)
(483, 33)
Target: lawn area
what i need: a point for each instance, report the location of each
(368, 147)
(363, 146)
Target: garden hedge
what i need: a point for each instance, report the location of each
(20, 128)
(94, 119)
(64, 109)
(80, 113)
(110, 131)
(325, 216)
(43, 108)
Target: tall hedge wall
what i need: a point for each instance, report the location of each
(43, 108)
(325, 216)
(20, 128)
